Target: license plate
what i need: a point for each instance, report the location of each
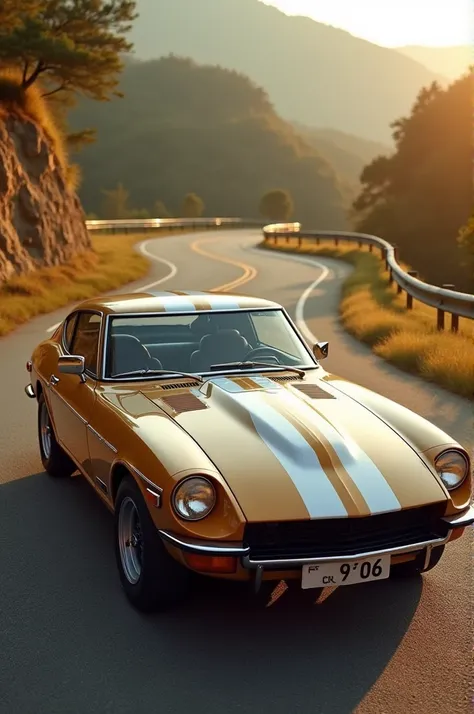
(340, 572)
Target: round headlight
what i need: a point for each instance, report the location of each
(453, 467)
(194, 498)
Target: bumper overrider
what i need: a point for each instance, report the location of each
(243, 553)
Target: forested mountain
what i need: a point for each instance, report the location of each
(315, 74)
(348, 154)
(182, 127)
(450, 61)
(421, 196)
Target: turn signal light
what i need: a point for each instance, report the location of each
(211, 563)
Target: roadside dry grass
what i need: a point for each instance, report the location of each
(374, 313)
(112, 262)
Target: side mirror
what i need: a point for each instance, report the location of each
(72, 364)
(321, 350)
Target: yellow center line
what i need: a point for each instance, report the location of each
(249, 272)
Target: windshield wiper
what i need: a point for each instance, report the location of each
(251, 365)
(149, 372)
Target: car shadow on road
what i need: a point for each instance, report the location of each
(74, 644)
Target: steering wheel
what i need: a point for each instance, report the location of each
(265, 353)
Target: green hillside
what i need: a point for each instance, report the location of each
(348, 154)
(315, 74)
(421, 196)
(183, 127)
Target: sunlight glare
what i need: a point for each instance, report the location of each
(392, 23)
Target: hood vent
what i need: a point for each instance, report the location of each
(313, 391)
(284, 378)
(180, 385)
(184, 403)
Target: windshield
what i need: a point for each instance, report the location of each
(197, 343)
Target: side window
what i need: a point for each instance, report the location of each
(86, 339)
(69, 331)
(272, 331)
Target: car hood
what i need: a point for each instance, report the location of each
(302, 450)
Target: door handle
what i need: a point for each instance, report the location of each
(53, 380)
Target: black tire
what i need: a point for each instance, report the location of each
(54, 459)
(158, 582)
(416, 567)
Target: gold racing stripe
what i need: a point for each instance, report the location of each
(198, 302)
(344, 486)
(158, 305)
(403, 470)
(264, 489)
(246, 383)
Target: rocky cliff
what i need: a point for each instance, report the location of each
(41, 218)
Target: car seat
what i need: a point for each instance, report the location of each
(223, 346)
(128, 354)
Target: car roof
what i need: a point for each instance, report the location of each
(174, 301)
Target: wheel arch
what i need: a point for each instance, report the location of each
(118, 472)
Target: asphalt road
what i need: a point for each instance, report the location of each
(70, 643)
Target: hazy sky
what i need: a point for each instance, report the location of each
(393, 22)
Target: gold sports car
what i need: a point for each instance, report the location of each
(212, 432)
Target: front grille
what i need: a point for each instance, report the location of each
(344, 536)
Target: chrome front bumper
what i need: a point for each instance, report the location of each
(460, 520)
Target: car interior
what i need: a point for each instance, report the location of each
(193, 346)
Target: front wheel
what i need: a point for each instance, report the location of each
(151, 579)
(55, 461)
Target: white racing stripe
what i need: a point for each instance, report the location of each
(217, 302)
(293, 452)
(226, 384)
(370, 481)
(175, 303)
(297, 458)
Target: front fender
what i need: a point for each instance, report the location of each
(425, 438)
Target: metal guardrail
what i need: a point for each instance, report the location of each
(154, 224)
(444, 299)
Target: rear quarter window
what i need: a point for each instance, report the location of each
(68, 332)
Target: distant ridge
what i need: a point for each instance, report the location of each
(315, 74)
(450, 61)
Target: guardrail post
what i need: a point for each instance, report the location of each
(318, 240)
(287, 238)
(371, 248)
(440, 319)
(336, 241)
(414, 274)
(275, 238)
(385, 254)
(300, 241)
(399, 289)
(390, 277)
(454, 318)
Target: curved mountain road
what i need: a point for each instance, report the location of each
(71, 643)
